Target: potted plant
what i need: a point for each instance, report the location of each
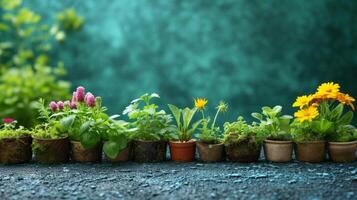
(153, 129)
(117, 142)
(278, 146)
(50, 139)
(342, 145)
(242, 141)
(15, 143)
(210, 146)
(182, 146)
(319, 118)
(90, 123)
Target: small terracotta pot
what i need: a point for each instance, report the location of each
(342, 151)
(243, 152)
(81, 154)
(149, 151)
(182, 151)
(123, 156)
(278, 151)
(51, 151)
(15, 150)
(210, 152)
(314, 151)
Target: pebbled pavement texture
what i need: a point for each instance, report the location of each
(169, 180)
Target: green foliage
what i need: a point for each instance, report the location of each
(276, 125)
(26, 71)
(151, 124)
(9, 130)
(117, 138)
(183, 130)
(240, 131)
(211, 135)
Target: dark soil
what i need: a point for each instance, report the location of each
(169, 180)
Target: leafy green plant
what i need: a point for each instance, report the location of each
(183, 130)
(52, 126)
(241, 132)
(9, 130)
(277, 125)
(26, 71)
(152, 124)
(211, 134)
(117, 137)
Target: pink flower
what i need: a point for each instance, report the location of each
(80, 94)
(8, 120)
(90, 99)
(73, 105)
(53, 106)
(60, 105)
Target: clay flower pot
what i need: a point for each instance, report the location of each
(243, 152)
(314, 151)
(149, 151)
(278, 151)
(81, 154)
(123, 156)
(182, 151)
(51, 151)
(210, 152)
(342, 151)
(15, 150)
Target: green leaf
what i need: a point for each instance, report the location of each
(113, 147)
(277, 109)
(177, 114)
(187, 115)
(337, 112)
(345, 119)
(85, 127)
(322, 126)
(257, 116)
(89, 139)
(67, 122)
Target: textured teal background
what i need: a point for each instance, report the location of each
(249, 53)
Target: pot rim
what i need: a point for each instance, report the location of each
(278, 141)
(180, 142)
(14, 138)
(311, 142)
(343, 143)
(218, 144)
(149, 141)
(48, 139)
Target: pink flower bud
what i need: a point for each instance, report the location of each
(66, 103)
(80, 93)
(74, 97)
(73, 105)
(53, 106)
(60, 105)
(90, 99)
(8, 120)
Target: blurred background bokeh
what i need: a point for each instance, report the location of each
(247, 53)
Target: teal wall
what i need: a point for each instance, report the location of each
(249, 53)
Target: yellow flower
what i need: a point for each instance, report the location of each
(346, 99)
(307, 114)
(327, 91)
(200, 103)
(303, 101)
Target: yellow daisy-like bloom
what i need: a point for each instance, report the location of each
(303, 101)
(346, 99)
(307, 114)
(200, 103)
(328, 90)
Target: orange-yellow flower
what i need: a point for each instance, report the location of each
(200, 103)
(306, 114)
(327, 91)
(346, 99)
(303, 101)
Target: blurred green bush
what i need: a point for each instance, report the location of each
(26, 71)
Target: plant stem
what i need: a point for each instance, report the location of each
(215, 118)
